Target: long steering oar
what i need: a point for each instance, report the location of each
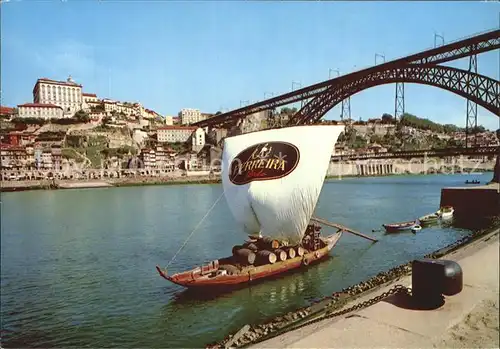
(343, 228)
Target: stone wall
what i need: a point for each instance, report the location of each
(416, 166)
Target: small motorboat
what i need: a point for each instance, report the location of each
(416, 228)
(475, 181)
(430, 218)
(446, 212)
(396, 227)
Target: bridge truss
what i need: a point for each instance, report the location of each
(423, 68)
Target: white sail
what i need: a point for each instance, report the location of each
(272, 179)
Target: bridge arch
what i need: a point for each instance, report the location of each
(478, 88)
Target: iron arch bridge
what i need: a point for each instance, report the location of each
(423, 68)
(478, 88)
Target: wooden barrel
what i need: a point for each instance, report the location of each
(251, 246)
(291, 252)
(236, 248)
(300, 251)
(266, 257)
(245, 256)
(268, 242)
(280, 254)
(230, 269)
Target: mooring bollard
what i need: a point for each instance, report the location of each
(433, 278)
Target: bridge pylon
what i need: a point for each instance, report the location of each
(345, 111)
(399, 102)
(471, 113)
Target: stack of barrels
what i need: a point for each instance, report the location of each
(265, 250)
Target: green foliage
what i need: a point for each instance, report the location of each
(478, 129)
(106, 120)
(98, 108)
(119, 152)
(69, 153)
(449, 128)
(97, 141)
(288, 111)
(29, 121)
(65, 121)
(376, 139)
(359, 142)
(387, 119)
(51, 136)
(81, 116)
(75, 141)
(421, 123)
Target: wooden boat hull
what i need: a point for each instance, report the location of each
(195, 279)
(429, 219)
(397, 227)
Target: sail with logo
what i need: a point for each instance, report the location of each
(272, 179)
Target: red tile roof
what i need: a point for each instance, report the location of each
(41, 105)
(89, 94)
(11, 147)
(192, 128)
(6, 110)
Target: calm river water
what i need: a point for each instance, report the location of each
(78, 266)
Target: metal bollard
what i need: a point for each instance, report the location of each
(433, 278)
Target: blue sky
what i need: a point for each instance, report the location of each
(211, 55)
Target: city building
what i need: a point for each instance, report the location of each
(198, 138)
(90, 98)
(158, 158)
(40, 110)
(148, 157)
(65, 94)
(6, 112)
(14, 157)
(20, 138)
(189, 116)
(169, 120)
(174, 134)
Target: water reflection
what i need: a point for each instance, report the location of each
(78, 270)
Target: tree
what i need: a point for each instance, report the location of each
(82, 116)
(478, 129)
(288, 111)
(218, 113)
(106, 120)
(387, 119)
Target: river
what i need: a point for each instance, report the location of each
(78, 266)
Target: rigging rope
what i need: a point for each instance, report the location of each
(195, 228)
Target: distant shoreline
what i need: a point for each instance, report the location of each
(14, 186)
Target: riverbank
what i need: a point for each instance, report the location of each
(11, 186)
(468, 319)
(306, 328)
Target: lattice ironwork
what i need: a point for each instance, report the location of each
(478, 44)
(483, 90)
(471, 113)
(399, 102)
(464, 48)
(345, 112)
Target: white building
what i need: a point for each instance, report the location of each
(38, 110)
(66, 94)
(190, 116)
(198, 139)
(174, 134)
(169, 120)
(90, 98)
